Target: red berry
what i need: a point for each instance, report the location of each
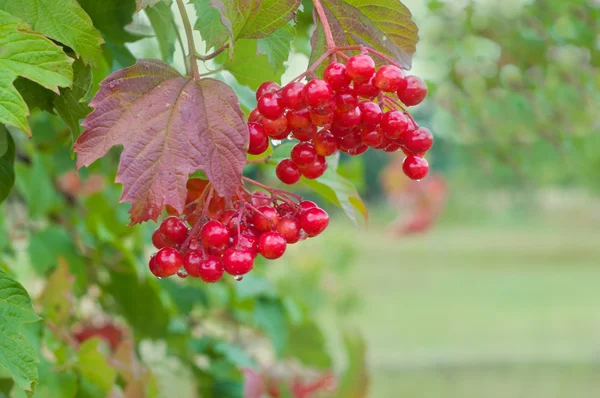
(289, 228)
(418, 141)
(360, 68)
(272, 245)
(389, 78)
(318, 93)
(415, 167)
(348, 119)
(246, 241)
(292, 95)
(345, 102)
(335, 75)
(307, 204)
(270, 106)
(167, 262)
(372, 138)
(265, 219)
(319, 119)
(341, 132)
(238, 261)
(349, 142)
(260, 198)
(288, 172)
(415, 91)
(303, 154)
(314, 221)
(359, 150)
(266, 87)
(305, 134)
(299, 119)
(371, 114)
(174, 230)
(159, 241)
(214, 234)
(209, 269)
(392, 147)
(394, 124)
(366, 89)
(258, 141)
(325, 143)
(277, 127)
(325, 110)
(315, 169)
(255, 116)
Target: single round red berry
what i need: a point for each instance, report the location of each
(270, 106)
(305, 134)
(418, 141)
(246, 241)
(372, 138)
(348, 119)
(237, 261)
(174, 230)
(325, 143)
(303, 154)
(255, 116)
(415, 167)
(272, 245)
(415, 91)
(319, 119)
(167, 262)
(258, 141)
(335, 75)
(289, 228)
(159, 240)
(318, 93)
(292, 96)
(345, 102)
(265, 219)
(314, 221)
(288, 172)
(359, 150)
(392, 147)
(366, 89)
(389, 78)
(307, 204)
(349, 142)
(394, 124)
(299, 119)
(277, 127)
(315, 169)
(370, 113)
(214, 234)
(209, 269)
(360, 68)
(266, 87)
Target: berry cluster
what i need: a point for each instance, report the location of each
(228, 238)
(349, 110)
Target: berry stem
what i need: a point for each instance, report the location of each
(271, 190)
(191, 56)
(212, 55)
(400, 107)
(326, 28)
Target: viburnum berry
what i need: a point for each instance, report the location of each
(159, 240)
(318, 93)
(299, 119)
(418, 141)
(359, 150)
(214, 234)
(271, 106)
(258, 141)
(174, 230)
(366, 89)
(348, 119)
(237, 262)
(209, 269)
(307, 204)
(289, 228)
(314, 221)
(248, 241)
(394, 124)
(389, 78)
(166, 262)
(414, 93)
(415, 167)
(372, 138)
(272, 245)
(349, 142)
(320, 119)
(370, 114)
(360, 68)
(255, 116)
(325, 143)
(288, 172)
(305, 134)
(260, 198)
(316, 169)
(266, 87)
(303, 154)
(292, 96)
(265, 218)
(345, 102)
(276, 127)
(335, 74)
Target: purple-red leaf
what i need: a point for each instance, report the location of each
(169, 126)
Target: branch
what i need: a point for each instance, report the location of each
(214, 54)
(189, 34)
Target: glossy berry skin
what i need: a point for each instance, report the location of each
(272, 245)
(389, 78)
(174, 230)
(366, 89)
(266, 87)
(335, 74)
(325, 143)
(277, 127)
(414, 93)
(314, 221)
(418, 141)
(349, 142)
(359, 150)
(270, 106)
(319, 119)
(372, 138)
(305, 134)
(159, 241)
(360, 68)
(394, 124)
(246, 241)
(292, 96)
(258, 141)
(254, 116)
(288, 172)
(318, 93)
(307, 204)
(289, 228)
(349, 119)
(415, 167)
(260, 198)
(299, 119)
(209, 269)
(237, 261)
(214, 234)
(315, 169)
(267, 220)
(370, 113)
(303, 154)
(167, 262)
(345, 102)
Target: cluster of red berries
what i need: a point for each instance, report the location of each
(349, 110)
(230, 239)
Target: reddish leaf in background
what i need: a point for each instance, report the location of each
(170, 126)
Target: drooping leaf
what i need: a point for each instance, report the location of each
(163, 22)
(208, 23)
(139, 4)
(111, 17)
(277, 46)
(384, 25)
(62, 20)
(169, 126)
(17, 355)
(69, 103)
(7, 161)
(28, 54)
(57, 297)
(94, 367)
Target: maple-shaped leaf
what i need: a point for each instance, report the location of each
(169, 126)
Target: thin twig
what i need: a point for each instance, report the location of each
(189, 34)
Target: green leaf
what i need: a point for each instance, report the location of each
(35, 185)
(163, 22)
(62, 20)
(269, 315)
(17, 355)
(355, 381)
(7, 161)
(57, 297)
(139, 4)
(307, 343)
(28, 54)
(384, 25)
(111, 17)
(69, 103)
(93, 365)
(277, 46)
(208, 23)
(34, 95)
